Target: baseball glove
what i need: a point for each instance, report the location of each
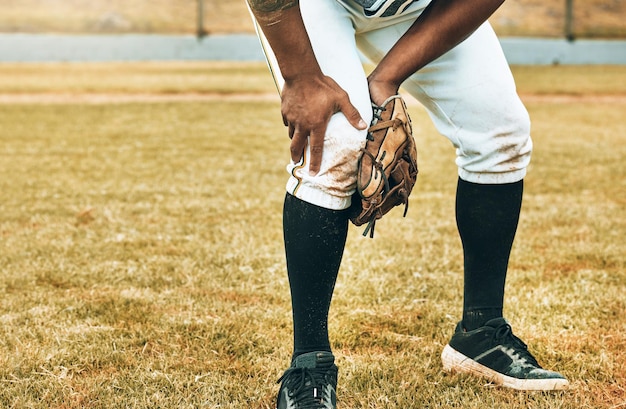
(387, 168)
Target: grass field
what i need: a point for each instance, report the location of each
(141, 253)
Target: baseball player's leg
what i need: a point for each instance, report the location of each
(315, 219)
(317, 197)
(470, 95)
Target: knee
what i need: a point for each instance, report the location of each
(502, 153)
(511, 139)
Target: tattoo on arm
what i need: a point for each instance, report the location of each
(268, 6)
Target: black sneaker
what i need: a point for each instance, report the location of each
(310, 383)
(495, 353)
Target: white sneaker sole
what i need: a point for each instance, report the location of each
(454, 361)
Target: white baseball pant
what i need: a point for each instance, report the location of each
(469, 94)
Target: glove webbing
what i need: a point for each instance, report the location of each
(392, 123)
(379, 168)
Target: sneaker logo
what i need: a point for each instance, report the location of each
(517, 365)
(330, 399)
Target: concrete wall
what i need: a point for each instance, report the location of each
(245, 47)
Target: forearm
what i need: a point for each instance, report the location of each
(282, 25)
(442, 25)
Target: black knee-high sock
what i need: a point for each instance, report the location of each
(487, 218)
(315, 238)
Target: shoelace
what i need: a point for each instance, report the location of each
(504, 335)
(306, 386)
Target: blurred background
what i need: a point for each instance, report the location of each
(572, 19)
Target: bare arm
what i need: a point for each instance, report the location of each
(309, 98)
(442, 25)
(283, 27)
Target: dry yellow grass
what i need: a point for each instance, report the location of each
(141, 258)
(233, 78)
(593, 18)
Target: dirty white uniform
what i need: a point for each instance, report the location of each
(468, 92)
